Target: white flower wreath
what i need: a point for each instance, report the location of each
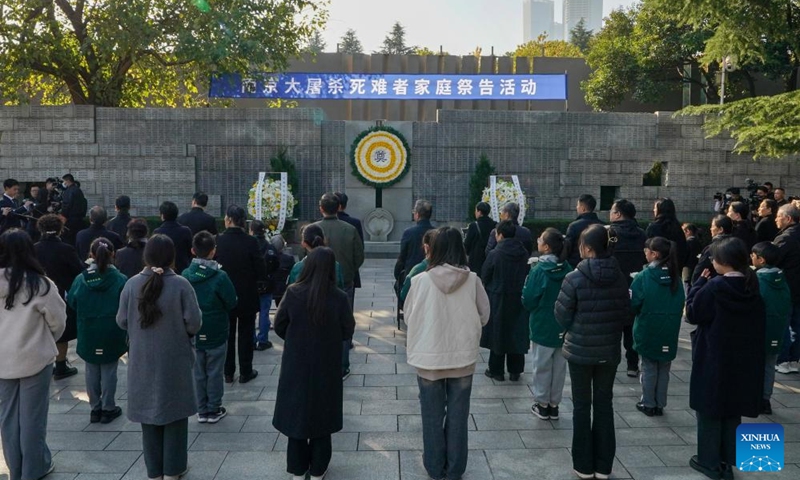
(271, 204)
(505, 192)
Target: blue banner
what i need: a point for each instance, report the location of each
(364, 86)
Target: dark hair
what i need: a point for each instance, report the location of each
(665, 211)
(236, 215)
(313, 235)
(625, 208)
(740, 208)
(428, 237)
(558, 243)
(51, 180)
(258, 228)
(512, 210)
(200, 198)
(18, 257)
(169, 211)
(768, 251)
(423, 209)
(342, 197)
(732, 252)
(98, 215)
(772, 205)
(447, 247)
(506, 228)
(123, 202)
(329, 204)
(68, 177)
(723, 222)
(779, 188)
(763, 188)
(137, 230)
(159, 252)
(319, 274)
(483, 207)
(9, 183)
(589, 201)
(768, 183)
(50, 225)
(203, 244)
(597, 238)
(668, 255)
(691, 227)
(102, 250)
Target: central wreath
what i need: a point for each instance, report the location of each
(380, 157)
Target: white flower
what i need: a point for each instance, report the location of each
(270, 204)
(505, 192)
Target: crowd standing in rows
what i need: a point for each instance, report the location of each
(183, 304)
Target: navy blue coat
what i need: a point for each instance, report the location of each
(522, 234)
(198, 220)
(503, 274)
(182, 238)
(411, 252)
(574, 230)
(84, 239)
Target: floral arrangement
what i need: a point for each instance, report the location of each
(505, 192)
(271, 204)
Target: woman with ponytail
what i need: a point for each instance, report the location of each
(130, 259)
(728, 355)
(657, 299)
(95, 298)
(313, 237)
(160, 312)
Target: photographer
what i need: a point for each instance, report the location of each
(721, 202)
(50, 198)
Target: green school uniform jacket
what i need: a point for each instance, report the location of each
(658, 314)
(418, 268)
(216, 296)
(298, 267)
(778, 300)
(95, 298)
(539, 297)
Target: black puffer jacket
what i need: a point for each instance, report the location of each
(629, 249)
(593, 306)
(574, 230)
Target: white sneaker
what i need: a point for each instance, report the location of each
(794, 367)
(584, 476)
(784, 368)
(600, 476)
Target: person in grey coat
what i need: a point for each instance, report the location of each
(159, 310)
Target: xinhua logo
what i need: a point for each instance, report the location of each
(759, 447)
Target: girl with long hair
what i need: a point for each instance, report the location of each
(314, 319)
(32, 318)
(160, 312)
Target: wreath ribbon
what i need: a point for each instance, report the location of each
(520, 200)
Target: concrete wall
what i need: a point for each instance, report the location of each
(165, 154)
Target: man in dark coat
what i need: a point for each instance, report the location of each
(119, 224)
(506, 335)
(10, 210)
(181, 236)
(510, 211)
(239, 255)
(197, 219)
(73, 208)
(788, 242)
(478, 234)
(343, 216)
(411, 252)
(629, 252)
(586, 216)
(97, 228)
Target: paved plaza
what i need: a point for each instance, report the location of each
(382, 436)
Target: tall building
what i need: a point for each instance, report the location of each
(537, 19)
(590, 10)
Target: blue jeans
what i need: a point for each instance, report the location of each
(208, 378)
(791, 349)
(263, 319)
(101, 385)
(445, 414)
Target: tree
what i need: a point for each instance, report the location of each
(427, 51)
(350, 43)
(580, 36)
(143, 52)
(395, 42)
(478, 181)
(542, 47)
(316, 44)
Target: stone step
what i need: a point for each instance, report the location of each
(381, 249)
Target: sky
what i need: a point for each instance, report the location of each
(457, 25)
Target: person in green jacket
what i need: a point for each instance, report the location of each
(657, 299)
(538, 297)
(778, 300)
(94, 296)
(427, 239)
(216, 296)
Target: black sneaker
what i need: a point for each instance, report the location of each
(633, 372)
(247, 378)
(553, 412)
(540, 411)
(94, 417)
(109, 415)
(727, 471)
(263, 346)
(216, 416)
(346, 374)
(499, 378)
(62, 371)
(659, 411)
(514, 377)
(649, 411)
(766, 407)
(714, 474)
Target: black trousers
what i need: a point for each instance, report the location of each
(716, 440)
(245, 325)
(164, 448)
(311, 456)
(630, 354)
(594, 441)
(514, 361)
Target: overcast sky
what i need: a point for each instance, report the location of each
(458, 25)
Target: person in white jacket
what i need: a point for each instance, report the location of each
(445, 310)
(32, 317)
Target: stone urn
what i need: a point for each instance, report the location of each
(378, 224)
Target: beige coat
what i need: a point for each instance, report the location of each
(445, 310)
(28, 333)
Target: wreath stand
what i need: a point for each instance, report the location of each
(520, 200)
(259, 207)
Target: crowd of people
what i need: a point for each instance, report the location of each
(189, 305)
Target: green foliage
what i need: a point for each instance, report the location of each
(427, 51)
(653, 177)
(763, 126)
(580, 36)
(395, 42)
(478, 181)
(541, 47)
(282, 163)
(316, 44)
(350, 43)
(143, 52)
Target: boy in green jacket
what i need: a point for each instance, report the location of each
(778, 299)
(217, 297)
